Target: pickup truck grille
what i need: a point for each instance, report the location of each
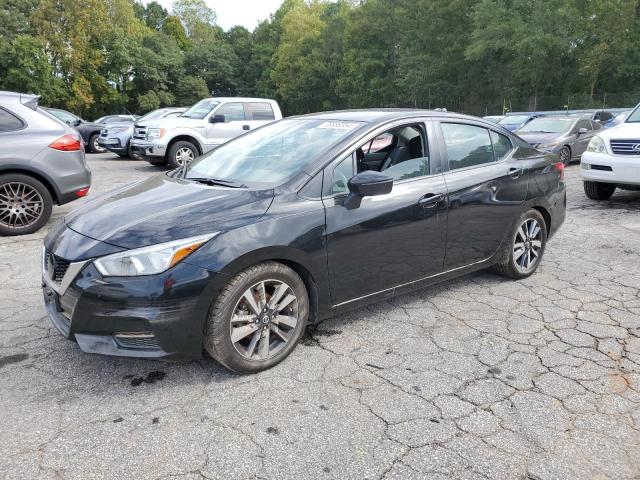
(625, 147)
(139, 132)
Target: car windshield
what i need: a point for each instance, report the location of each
(153, 114)
(201, 109)
(272, 154)
(548, 125)
(513, 120)
(634, 117)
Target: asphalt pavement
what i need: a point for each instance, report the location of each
(477, 378)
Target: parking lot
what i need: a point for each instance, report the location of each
(477, 378)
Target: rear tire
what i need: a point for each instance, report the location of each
(181, 152)
(261, 334)
(525, 248)
(25, 204)
(598, 190)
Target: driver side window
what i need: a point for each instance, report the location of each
(232, 112)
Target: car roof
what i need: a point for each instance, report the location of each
(381, 115)
(239, 99)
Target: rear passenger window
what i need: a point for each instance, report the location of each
(232, 112)
(501, 145)
(261, 111)
(467, 145)
(9, 122)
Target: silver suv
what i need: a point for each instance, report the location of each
(204, 126)
(41, 162)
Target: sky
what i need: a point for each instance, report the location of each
(237, 12)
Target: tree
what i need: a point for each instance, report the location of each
(189, 90)
(152, 14)
(196, 17)
(174, 29)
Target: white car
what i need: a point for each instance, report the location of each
(612, 159)
(206, 125)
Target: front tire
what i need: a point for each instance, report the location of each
(181, 152)
(258, 318)
(525, 248)
(25, 204)
(599, 190)
(565, 155)
(94, 145)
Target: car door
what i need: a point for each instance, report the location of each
(582, 139)
(486, 189)
(233, 125)
(390, 240)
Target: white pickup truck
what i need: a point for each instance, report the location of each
(204, 126)
(612, 159)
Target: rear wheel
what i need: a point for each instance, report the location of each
(598, 190)
(565, 155)
(25, 204)
(180, 153)
(258, 318)
(525, 250)
(94, 145)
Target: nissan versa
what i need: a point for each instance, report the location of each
(295, 221)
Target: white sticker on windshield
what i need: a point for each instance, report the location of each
(334, 124)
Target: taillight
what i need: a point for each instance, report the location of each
(82, 192)
(67, 143)
(559, 167)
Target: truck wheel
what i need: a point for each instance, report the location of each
(25, 204)
(598, 190)
(180, 153)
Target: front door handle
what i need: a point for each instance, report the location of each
(515, 172)
(246, 127)
(430, 200)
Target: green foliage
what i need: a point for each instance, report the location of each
(105, 56)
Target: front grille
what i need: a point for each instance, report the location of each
(139, 341)
(139, 132)
(625, 147)
(55, 266)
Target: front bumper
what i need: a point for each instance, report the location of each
(114, 144)
(148, 149)
(156, 316)
(607, 168)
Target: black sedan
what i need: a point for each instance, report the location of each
(293, 222)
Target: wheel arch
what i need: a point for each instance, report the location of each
(545, 215)
(186, 138)
(41, 177)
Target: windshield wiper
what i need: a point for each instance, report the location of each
(217, 181)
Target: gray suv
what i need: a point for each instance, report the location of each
(41, 162)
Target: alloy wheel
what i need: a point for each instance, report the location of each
(96, 146)
(184, 155)
(21, 205)
(565, 155)
(527, 245)
(264, 320)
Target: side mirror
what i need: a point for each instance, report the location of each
(367, 184)
(582, 131)
(217, 119)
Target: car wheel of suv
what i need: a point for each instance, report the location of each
(526, 247)
(565, 155)
(94, 145)
(258, 318)
(25, 204)
(180, 153)
(599, 190)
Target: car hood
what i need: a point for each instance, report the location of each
(535, 138)
(172, 122)
(622, 131)
(161, 209)
(111, 126)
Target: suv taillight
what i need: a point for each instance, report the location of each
(67, 143)
(559, 167)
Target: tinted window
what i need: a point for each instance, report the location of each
(583, 124)
(501, 145)
(415, 167)
(261, 111)
(9, 122)
(233, 112)
(342, 173)
(467, 145)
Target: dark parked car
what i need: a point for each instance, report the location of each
(89, 131)
(566, 136)
(515, 121)
(294, 222)
(41, 163)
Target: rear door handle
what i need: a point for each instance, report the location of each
(430, 200)
(516, 172)
(246, 127)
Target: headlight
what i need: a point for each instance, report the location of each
(597, 145)
(154, 133)
(149, 260)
